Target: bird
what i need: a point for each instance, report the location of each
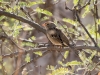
(55, 35)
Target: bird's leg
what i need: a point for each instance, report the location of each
(60, 51)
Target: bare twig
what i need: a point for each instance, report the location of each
(85, 5)
(78, 19)
(32, 61)
(51, 48)
(96, 65)
(96, 17)
(3, 68)
(19, 60)
(75, 10)
(10, 38)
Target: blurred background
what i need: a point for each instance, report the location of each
(25, 36)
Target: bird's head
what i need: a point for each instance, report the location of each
(49, 25)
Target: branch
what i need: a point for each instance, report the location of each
(75, 11)
(78, 19)
(31, 61)
(85, 5)
(51, 49)
(32, 23)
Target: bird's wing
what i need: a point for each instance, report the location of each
(54, 36)
(63, 37)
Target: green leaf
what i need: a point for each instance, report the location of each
(16, 29)
(28, 44)
(44, 18)
(87, 10)
(6, 24)
(16, 8)
(50, 67)
(33, 38)
(82, 56)
(27, 28)
(37, 2)
(2, 17)
(66, 54)
(60, 62)
(73, 63)
(60, 71)
(9, 10)
(38, 53)
(22, 4)
(39, 10)
(70, 21)
(19, 26)
(75, 2)
(98, 21)
(92, 55)
(27, 59)
(4, 64)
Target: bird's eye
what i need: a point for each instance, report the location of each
(47, 23)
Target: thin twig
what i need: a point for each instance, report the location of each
(78, 19)
(32, 61)
(75, 10)
(96, 17)
(51, 48)
(10, 38)
(85, 5)
(3, 68)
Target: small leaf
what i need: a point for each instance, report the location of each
(19, 27)
(22, 4)
(87, 10)
(66, 54)
(50, 67)
(33, 38)
(60, 71)
(37, 2)
(27, 59)
(75, 2)
(98, 21)
(39, 10)
(73, 63)
(70, 21)
(27, 28)
(82, 56)
(44, 18)
(28, 44)
(38, 53)
(2, 17)
(92, 55)
(60, 62)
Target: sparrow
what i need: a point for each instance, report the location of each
(55, 35)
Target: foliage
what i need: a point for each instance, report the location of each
(13, 35)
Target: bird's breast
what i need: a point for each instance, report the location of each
(53, 37)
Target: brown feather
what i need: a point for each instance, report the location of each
(56, 36)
